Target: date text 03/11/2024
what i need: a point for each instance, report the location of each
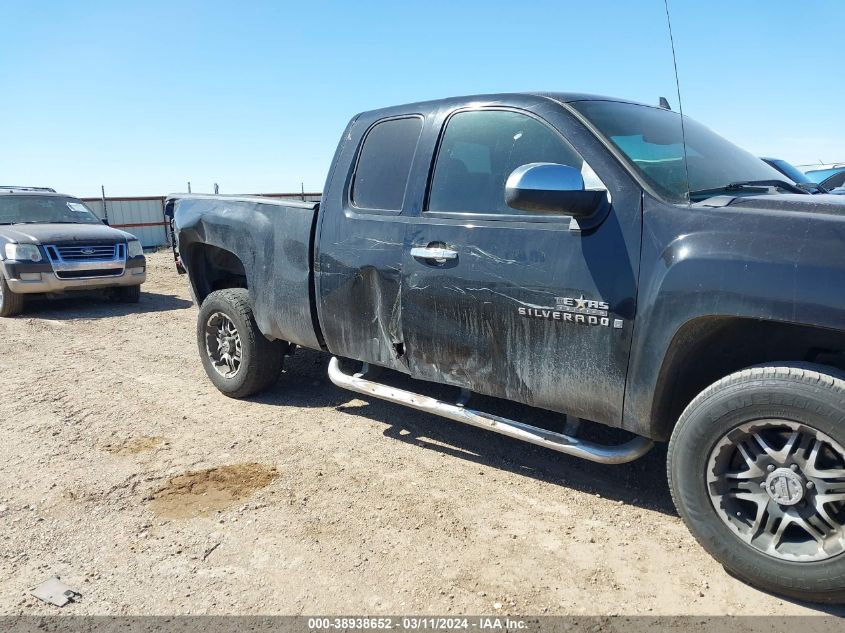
(416, 623)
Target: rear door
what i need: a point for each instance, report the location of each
(521, 306)
(360, 245)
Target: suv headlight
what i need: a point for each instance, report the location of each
(23, 252)
(134, 248)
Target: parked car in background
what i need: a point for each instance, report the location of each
(829, 176)
(578, 254)
(834, 181)
(51, 243)
(793, 173)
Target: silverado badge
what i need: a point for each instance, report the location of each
(580, 310)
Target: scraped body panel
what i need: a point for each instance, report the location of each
(272, 239)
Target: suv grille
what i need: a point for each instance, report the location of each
(85, 253)
(80, 261)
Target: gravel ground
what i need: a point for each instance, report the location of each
(127, 474)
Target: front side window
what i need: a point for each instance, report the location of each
(480, 149)
(33, 209)
(385, 163)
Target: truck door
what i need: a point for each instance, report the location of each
(360, 243)
(512, 304)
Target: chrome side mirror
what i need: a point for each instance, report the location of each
(551, 188)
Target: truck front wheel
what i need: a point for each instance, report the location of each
(756, 467)
(237, 357)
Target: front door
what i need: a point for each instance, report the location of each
(514, 305)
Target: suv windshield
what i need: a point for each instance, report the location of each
(44, 210)
(650, 139)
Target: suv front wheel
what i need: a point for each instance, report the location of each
(756, 467)
(11, 303)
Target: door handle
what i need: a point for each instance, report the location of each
(436, 253)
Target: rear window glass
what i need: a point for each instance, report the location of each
(385, 163)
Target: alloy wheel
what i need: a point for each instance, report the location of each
(223, 345)
(780, 486)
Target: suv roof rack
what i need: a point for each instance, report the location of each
(13, 187)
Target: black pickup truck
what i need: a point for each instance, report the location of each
(579, 254)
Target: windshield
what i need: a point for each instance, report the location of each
(650, 139)
(44, 210)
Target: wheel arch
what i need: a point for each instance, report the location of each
(213, 268)
(706, 349)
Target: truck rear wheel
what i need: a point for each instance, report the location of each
(11, 303)
(756, 467)
(237, 357)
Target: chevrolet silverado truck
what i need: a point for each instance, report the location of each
(52, 244)
(581, 255)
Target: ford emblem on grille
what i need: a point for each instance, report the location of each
(88, 251)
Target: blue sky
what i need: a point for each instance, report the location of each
(144, 96)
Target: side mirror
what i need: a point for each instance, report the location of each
(551, 188)
(104, 221)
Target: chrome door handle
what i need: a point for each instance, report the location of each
(436, 253)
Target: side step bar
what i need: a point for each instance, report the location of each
(601, 453)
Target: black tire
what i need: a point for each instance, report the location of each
(127, 294)
(261, 360)
(806, 396)
(11, 303)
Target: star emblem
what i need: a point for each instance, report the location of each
(581, 304)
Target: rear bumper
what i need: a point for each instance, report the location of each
(32, 278)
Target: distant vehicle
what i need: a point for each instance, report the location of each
(577, 254)
(829, 176)
(835, 181)
(793, 173)
(51, 243)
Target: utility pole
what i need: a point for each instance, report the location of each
(302, 185)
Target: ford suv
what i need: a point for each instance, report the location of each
(51, 243)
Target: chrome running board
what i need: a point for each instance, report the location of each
(601, 453)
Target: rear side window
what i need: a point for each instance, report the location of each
(384, 164)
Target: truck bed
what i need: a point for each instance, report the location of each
(272, 243)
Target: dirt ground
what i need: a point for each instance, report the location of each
(126, 473)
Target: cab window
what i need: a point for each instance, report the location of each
(384, 164)
(479, 150)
